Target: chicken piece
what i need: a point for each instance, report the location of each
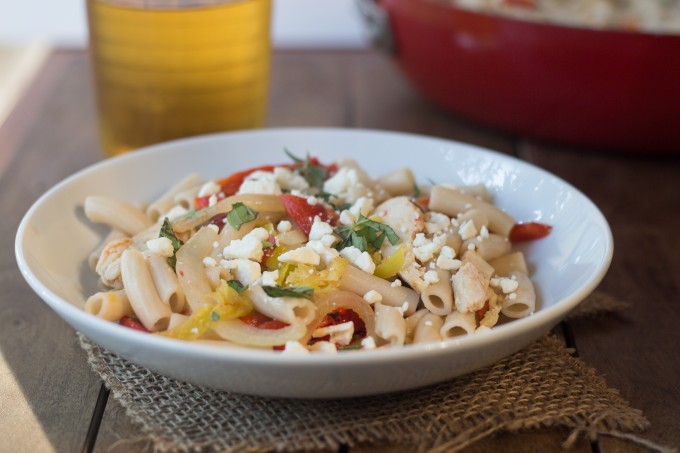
(469, 288)
(404, 216)
(108, 264)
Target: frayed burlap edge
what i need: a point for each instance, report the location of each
(439, 425)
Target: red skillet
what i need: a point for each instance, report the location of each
(613, 90)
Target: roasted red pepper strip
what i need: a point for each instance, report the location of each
(230, 185)
(479, 314)
(126, 321)
(303, 213)
(339, 316)
(257, 319)
(529, 231)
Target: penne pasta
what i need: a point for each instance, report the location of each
(438, 297)
(141, 292)
(428, 329)
(390, 324)
(111, 305)
(118, 214)
(308, 257)
(457, 324)
(521, 302)
(453, 202)
(359, 282)
(167, 200)
(166, 282)
(287, 309)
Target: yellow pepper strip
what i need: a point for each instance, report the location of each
(305, 275)
(272, 262)
(392, 265)
(225, 303)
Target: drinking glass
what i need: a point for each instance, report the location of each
(165, 69)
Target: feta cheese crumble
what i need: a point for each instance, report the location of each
(160, 246)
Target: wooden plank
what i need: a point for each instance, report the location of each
(40, 356)
(383, 99)
(637, 350)
(310, 89)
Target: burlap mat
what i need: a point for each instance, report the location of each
(540, 386)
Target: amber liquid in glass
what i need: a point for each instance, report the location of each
(162, 74)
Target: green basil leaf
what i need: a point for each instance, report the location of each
(292, 156)
(305, 292)
(240, 214)
(236, 286)
(416, 191)
(167, 232)
(214, 316)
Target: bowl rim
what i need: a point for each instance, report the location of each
(545, 317)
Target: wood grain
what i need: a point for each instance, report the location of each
(636, 350)
(39, 349)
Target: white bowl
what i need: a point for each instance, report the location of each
(54, 240)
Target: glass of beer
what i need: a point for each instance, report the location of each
(165, 69)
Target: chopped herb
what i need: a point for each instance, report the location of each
(365, 232)
(214, 316)
(343, 207)
(350, 347)
(306, 292)
(169, 233)
(315, 175)
(292, 156)
(236, 286)
(325, 196)
(240, 214)
(416, 191)
(267, 244)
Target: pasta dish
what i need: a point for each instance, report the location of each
(306, 257)
(631, 15)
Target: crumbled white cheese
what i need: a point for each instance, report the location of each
(467, 230)
(245, 271)
(284, 226)
(213, 227)
(249, 247)
(512, 296)
(346, 217)
(312, 200)
(373, 296)
(262, 182)
(396, 283)
(323, 248)
(325, 347)
(269, 278)
(436, 222)
(484, 232)
(175, 212)
(302, 255)
(294, 348)
(360, 259)
(212, 201)
(471, 246)
(289, 180)
(346, 185)
(368, 343)
(209, 188)
(209, 261)
(363, 206)
(508, 285)
(431, 277)
(319, 229)
(424, 249)
(160, 246)
(339, 333)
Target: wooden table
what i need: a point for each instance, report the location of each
(50, 398)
